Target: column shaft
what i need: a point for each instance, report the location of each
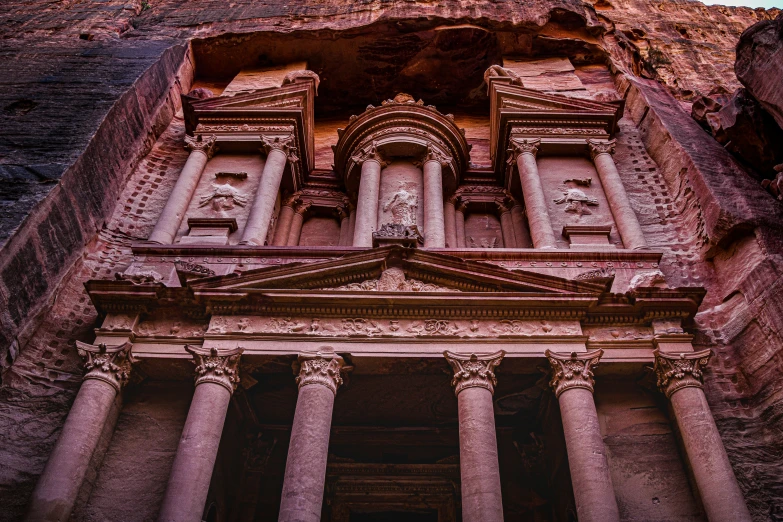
(367, 203)
(434, 226)
(351, 226)
(283, 228)
(450, 224)
(520, 227)
(507, 229)
(264, 204)
(345, 229)
(459, 226)
(296, 229)
(535, 202)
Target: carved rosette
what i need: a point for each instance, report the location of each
(215, 367)
(522, 146)
(474, 370)
(573, 371)
(601, 147)
(676, 371)
(110, 364)
(283, 144)
(325, 368)
(204, 145)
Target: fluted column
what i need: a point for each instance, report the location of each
(459, 222)
(201, 150)
(217, 375)
(367, 201)
(343, 214)
(572, 382)
(108, 370)
(680, 379)
(450, 222)
(279, 151)
(520, 227)
(506, 223)
(296, 222)
(624, 217)
(434, 225)
(318, 377)
(474, 384)
(523, 152)
(283, 228)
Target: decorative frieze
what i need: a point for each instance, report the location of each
(474, 370)
(111, 365)
(323, 367)
(216, 367)
(676, 371)
(393, 280)
(572, 371)
(201, 144)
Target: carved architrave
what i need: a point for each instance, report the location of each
(216, 367)
(204, 145)
(573, 371)
(323, 367)
(519, 146)
(474, 370)
(282, 143)
(676, 371)
(601, 147)
(110, 364)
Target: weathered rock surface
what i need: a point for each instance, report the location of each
(759, 65)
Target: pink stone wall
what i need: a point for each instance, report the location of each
(320, 231)
(483, 231)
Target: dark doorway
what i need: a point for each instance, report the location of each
(430, 515)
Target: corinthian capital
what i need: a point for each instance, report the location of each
(284, 144)
(680, 370)
(215, 367)
(573, 371)
(474, 370)
(434, 154)
(201, 144)
(323, 367)
(522, 146)
(370, 153)
(601, 147)
(108, 364)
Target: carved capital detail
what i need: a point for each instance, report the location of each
(601, 147)
(215, 367)
(302, 207)
(676, 371)
(290, 200)
(201, 144)
(434, 154)
(474, 370)
(504, 205)
(522, 146)
(282, 143)
(369, 154)
(325, 368)
(110, 364)
(573, 371)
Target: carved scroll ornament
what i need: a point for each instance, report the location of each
(573, 371)
(323, 367)
(214, 367)
(111, 365)
(676, 371)
(474, 370)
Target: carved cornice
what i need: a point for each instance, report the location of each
(284, 144)
(519, 146)
(572, 371)
(216, 367)
(200, 144)
(474, 371)
(676, 371)
(323, 367)
(601, 147)
(111, 365)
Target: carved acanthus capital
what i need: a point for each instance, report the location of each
(474, 370)
(461, 204)
(216, 367)
(601, 147)
(302, 207)
(522, 146)
(572, 371)
(284, 144)
(370, 153)
(504, 204)
(290, 200)
(207, 146)
(676, 371)
(110, 364)
(434, 154)
(323, 367)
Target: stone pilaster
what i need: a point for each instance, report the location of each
(283, 228)
(504, 206)
(523, 152)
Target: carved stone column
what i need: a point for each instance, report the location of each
(523, 152)
(344, 215)
(506, 223)
(279, 151)
(624, 217)
(318, 377)
(572, 382)
(201, 150)
(459, 222)
(474, 384)
(680, 379)
(108, 370)
(367, 202)
(283, 228)
(351, 225)
(296, 222)
(520, 227)
(217, 375)
(450, 222)
(434, 226)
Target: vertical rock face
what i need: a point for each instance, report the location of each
(759, 65)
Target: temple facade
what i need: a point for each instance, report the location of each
(412, 312)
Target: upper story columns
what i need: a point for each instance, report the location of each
(523, 153)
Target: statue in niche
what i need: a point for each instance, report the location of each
(223, 197)
(403, 207)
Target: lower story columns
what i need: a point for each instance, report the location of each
(216, 378)
(319, 376)
(108, 370)
(572, 382)
(680, 379)
(474, 384)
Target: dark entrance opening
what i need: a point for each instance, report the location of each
(430, 515)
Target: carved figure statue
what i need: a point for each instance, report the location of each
(403, 207)
(576, 201)
(223, 197)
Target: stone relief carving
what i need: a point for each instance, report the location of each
(502, 72)
(474, 370)
(140, 277)
(408, 235)
(576, 201)
(393, 280)
(324, 367)
(553, 130)
(574, 371)
(223, 197)
(403, 206)
(301, 73)
(676, 371)
(214, 367)
(647, 279)
(483, 242)
(111, 365)
(632, 333)
(193, 268)
(599, 274)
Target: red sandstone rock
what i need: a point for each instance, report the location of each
(759, 64)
